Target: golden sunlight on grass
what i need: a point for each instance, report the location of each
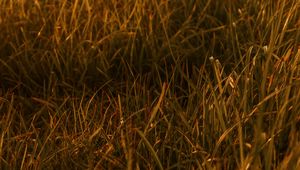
(149, 84)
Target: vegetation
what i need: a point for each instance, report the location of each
(149, 84)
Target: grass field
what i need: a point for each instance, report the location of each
(149, 84)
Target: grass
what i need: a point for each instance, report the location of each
(149, 84)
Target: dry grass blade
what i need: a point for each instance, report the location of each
(156, 107)
(151, 149)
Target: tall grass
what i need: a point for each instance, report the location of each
(149, 84)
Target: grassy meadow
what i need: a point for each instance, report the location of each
(150, 84)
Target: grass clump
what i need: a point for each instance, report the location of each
(149, 84)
